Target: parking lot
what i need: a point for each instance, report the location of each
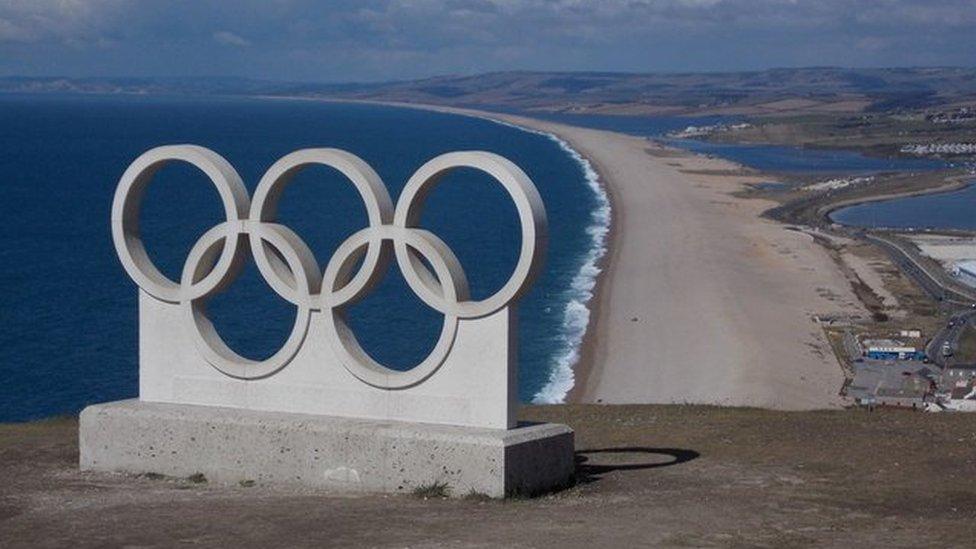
(876, 377)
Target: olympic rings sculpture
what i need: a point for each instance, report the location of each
(291, 269)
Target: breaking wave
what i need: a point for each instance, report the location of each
(576, 313)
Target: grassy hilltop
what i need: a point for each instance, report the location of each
(657, 475)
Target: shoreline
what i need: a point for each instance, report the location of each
(586, 351)
(952, 184)
(711, 330)
(578, 371)
(700, 298)
(587, 357)
(588, 361)
(606, 372)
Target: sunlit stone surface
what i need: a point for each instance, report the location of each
(345, 419)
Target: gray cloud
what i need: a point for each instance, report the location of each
(230, 39)
(378, 40)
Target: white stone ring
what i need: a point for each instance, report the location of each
(290, 267)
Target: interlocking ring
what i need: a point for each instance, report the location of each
(290, 268)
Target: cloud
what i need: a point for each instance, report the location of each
(62, 21)
(346, 40)
(11, 32)
(230, 39)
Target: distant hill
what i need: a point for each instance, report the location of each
(817, 89)
(778, 89)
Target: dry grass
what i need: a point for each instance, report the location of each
(649, 476)
(966, 353)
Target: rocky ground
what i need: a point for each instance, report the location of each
(648, 475)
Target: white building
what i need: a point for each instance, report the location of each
(965, 271)
(889, 349)
(962, 398)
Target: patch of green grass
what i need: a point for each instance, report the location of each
(153, 476)
(474, 495)
(967, 345)
(432, 490)
(197, 478)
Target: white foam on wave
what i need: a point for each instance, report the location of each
(576, 313)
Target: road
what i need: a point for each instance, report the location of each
(950, 334)
(936, 285)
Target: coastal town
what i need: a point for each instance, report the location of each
(939, 149)
(916, 349)
(908, 368)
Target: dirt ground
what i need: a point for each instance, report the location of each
(681, 476)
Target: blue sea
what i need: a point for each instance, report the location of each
(950, 210)
(68, 312)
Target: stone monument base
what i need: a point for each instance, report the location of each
(229, 445)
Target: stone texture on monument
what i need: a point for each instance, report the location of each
(321, 390)
(231, 446)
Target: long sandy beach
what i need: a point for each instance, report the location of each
(701, 300)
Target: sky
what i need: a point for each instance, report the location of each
(374, 40)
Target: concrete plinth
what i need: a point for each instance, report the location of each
(230, 445)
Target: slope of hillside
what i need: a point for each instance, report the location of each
(648, 476)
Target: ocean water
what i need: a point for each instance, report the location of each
(951, 210)
(68, 311)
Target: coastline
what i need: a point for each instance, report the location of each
(589, 355)
(719, 338)
(700, 299)
(952, 184)
(574, 364)
(586, 351)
